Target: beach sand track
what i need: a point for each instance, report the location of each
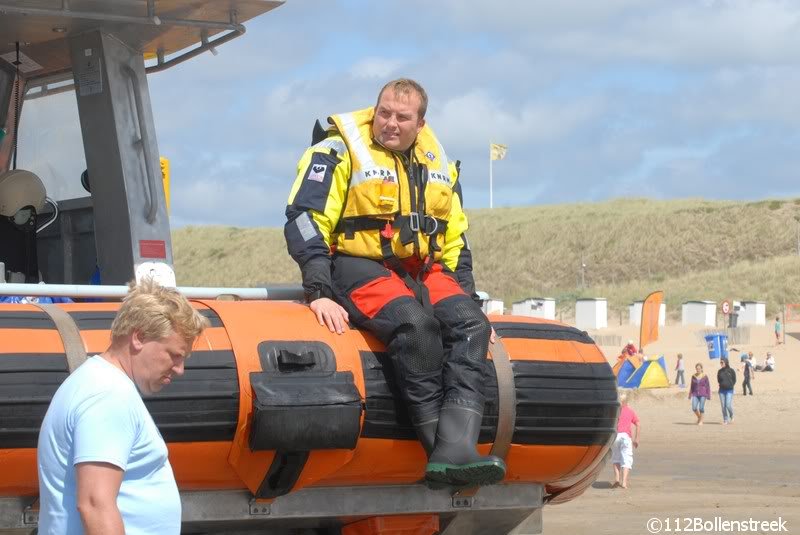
(750, 469)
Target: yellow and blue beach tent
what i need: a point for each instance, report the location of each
(651, 374)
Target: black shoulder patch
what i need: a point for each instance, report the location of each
(313, 192)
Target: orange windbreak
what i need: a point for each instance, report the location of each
(651, 309)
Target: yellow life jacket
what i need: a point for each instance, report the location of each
(381, 217)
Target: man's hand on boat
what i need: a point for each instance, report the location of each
(331, 314)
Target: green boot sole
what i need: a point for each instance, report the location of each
(465, 475)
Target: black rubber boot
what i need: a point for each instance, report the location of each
(427, 435)
(455, 461)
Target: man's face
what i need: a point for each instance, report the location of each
(397, 121)
(155, 362)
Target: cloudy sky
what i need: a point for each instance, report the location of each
(595, 99)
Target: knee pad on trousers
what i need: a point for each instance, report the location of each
(468, 322)
(418, 339)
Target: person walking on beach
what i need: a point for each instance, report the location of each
(777, 330)
(699, 392)
(748, 371)
(753, 361)
(624, 444)
(726, 378)
(679, 370)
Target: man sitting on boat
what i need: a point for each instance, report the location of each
(376, 224)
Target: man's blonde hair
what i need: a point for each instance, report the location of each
(155, 311)
(406, 86)
(623, 397)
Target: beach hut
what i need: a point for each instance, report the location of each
(490, 305)
(651, 374)
(753, 313)
(535, 307)
(591, 313)
(493, 306)
(635, 313)
(699, 313)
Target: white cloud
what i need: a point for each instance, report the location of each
(225, 200)
(469, 121)
(375, 67)
(679, 32)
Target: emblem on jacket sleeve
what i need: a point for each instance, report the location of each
(317, 173)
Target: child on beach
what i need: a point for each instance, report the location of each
(624, 444)
(630, 349)
(769, 364)
(699, 392)
(679, 369)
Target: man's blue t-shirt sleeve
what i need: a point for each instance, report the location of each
(104, 429)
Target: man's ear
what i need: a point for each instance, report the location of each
(420, 125)
(136, 341)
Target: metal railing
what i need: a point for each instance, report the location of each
(272, 293)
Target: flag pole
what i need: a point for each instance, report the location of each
(491, 200)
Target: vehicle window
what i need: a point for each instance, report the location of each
(50, 144)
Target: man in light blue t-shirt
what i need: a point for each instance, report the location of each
(103, 466)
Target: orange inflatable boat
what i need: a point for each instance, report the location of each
(273, 409)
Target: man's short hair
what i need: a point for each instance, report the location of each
(155, 312)
(405, 86)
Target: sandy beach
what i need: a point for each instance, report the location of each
(682, 471)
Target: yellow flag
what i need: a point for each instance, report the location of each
(498, 151)
(165, 178)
